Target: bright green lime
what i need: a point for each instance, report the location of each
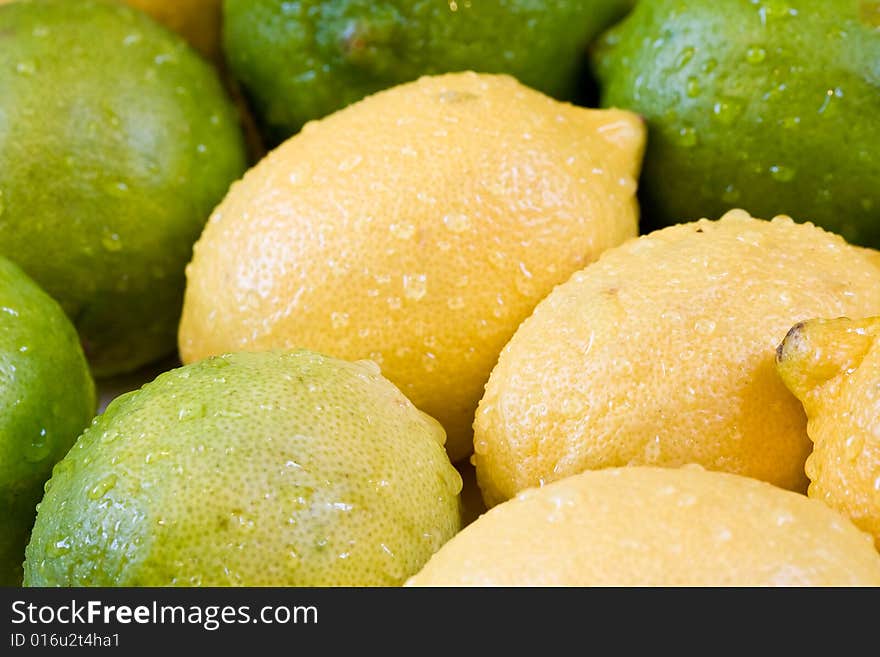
(767, 105)
(116, 142)
(261, 469)
(303, 60)
(47, 397)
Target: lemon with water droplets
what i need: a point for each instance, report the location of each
(662, 353)
(767, 105)
(833, 367)
(262, 469)
(416, 228)
(47, 397)
(643, 526)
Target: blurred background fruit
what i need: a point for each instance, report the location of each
(656, 527)
(662, 353)
(268, 469)
(197, 20)
(117, 141)
(300, 61)
(416, 228)
(47, 398)
(765, 105)
(833, 366)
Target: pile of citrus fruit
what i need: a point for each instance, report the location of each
(332, 293)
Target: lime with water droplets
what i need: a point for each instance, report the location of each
(254, 469)
(116, 141)
(47, 397)
(767, 105)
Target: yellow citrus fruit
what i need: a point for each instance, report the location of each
(197, 20)
(833, 367)
(644, 526)
(254, 469)
(416, 228)
(662, 353)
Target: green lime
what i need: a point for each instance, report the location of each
(767, 105)
(47, 397)
(116, 142)
(254, 469)
(303, 60)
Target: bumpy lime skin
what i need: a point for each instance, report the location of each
(116, 142)
(768, 105)
(253, 469)
(47, 398)
(303, 60)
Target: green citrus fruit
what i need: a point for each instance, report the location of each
(303, 60)
(767, 105)
(47, 397)
(116, 142)
(269, 468)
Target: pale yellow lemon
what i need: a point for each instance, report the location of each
(833, 366)
(416, 228)
(662, 353)
(644, 526)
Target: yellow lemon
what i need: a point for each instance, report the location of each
(662, 353)
(833, 366)
(644, 526)
(416, 228)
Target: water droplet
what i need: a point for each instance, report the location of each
(704, 326)
(730, 194)
(687, 137)
(26, 68)
(131, 39)
(455, 303)
(339, 320)
(852, 447)
(58, 547)
(429, 362)
(684, 57)
(790, 122)
(40, 31)
(727, 110)
(837, 92)
(232, 415)
(350, 163)
(457, 223)
(652, 450)
(39, 449)
(415, 286)
(103, 487)
(782, 173)
(111, 242)
(191, 412)
(402, 231)
(693, 87)
(394, 303)
(709, 66)
(755, 55)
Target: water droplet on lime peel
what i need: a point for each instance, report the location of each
(782, 173)
(39, 448)
(755, 54)
(687, 137)
(692, 88)
(111, 242)
(684, 57)
(191, 412)
(103, 487)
